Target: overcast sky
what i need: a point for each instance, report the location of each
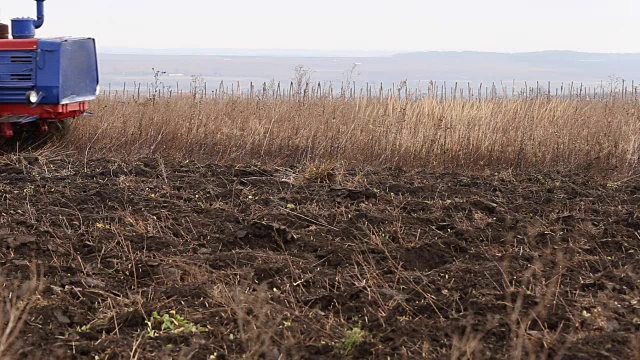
(393, 25)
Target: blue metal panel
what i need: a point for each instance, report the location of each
(78, 71)
(67, 70)
(64, 70)
(48, 65)
(17, 75)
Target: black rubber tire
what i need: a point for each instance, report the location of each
(59, 130)
(28, 137)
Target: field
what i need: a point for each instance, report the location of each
(327, 227)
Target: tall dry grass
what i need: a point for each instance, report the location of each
(455, 134)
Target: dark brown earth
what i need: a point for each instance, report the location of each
(286, 263)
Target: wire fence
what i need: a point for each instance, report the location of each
(305, 89)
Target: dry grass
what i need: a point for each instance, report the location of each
(471, 135)
(17, 299)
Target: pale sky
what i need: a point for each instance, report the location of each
(354, 25)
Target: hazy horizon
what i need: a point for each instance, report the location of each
(317, 52)
(413, 40)
(417, 69)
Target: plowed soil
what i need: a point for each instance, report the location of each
(316, 263)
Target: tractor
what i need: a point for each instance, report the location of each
(44, 82)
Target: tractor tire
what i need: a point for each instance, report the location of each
(59, 130)
(28, 137)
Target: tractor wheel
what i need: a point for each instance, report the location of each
(59, 130)
(20, 141)
(29, 137)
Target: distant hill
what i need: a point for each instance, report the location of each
(215, 65)
(544, 65)
(245, 52)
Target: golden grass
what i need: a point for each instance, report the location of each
(441, 135)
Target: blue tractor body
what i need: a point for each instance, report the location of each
(60, 71)
(44, 81)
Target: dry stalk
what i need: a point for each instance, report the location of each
(18, 300)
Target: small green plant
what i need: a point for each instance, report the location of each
(286, 323)
(613, 185)
(172, 323)
(543, 180)
(352, 338)
(28, 190)
(83, 328)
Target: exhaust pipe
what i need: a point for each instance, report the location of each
(25, 28)
(40, 14)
